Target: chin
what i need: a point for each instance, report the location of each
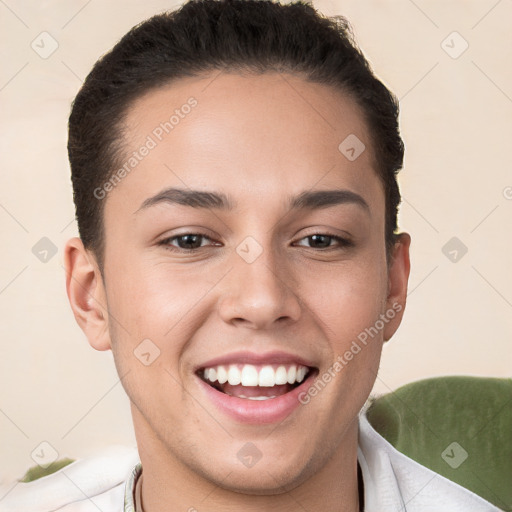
(267, 477)
(261, 482)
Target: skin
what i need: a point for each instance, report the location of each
(258, 139)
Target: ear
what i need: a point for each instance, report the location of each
(398, 277)
(86, 293)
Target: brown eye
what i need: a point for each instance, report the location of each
(324, 241)
(320, 241)
(185, 242)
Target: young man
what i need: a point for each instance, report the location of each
(234, 170)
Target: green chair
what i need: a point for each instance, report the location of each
(459, 427)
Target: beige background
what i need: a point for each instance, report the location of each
(457, 181)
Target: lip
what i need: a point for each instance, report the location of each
(257, 412)
(244, 357)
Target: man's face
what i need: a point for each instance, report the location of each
(257, 291)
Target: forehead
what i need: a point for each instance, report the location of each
(248, 135)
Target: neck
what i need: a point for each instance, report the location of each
(167, 480)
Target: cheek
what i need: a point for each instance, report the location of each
(147, 300)
(347, 301)
(155, 305)
(150, 328)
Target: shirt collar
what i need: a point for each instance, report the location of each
(131, 485)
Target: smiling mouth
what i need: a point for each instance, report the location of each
(256, 382)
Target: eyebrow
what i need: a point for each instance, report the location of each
(306, 200)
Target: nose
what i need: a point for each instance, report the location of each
(258, 295)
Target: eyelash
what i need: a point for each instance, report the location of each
(166, 243)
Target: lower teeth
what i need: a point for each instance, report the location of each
(255, 397)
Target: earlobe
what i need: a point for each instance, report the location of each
(86, 293)
(398, 278)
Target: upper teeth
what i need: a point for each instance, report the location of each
(250, 375)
